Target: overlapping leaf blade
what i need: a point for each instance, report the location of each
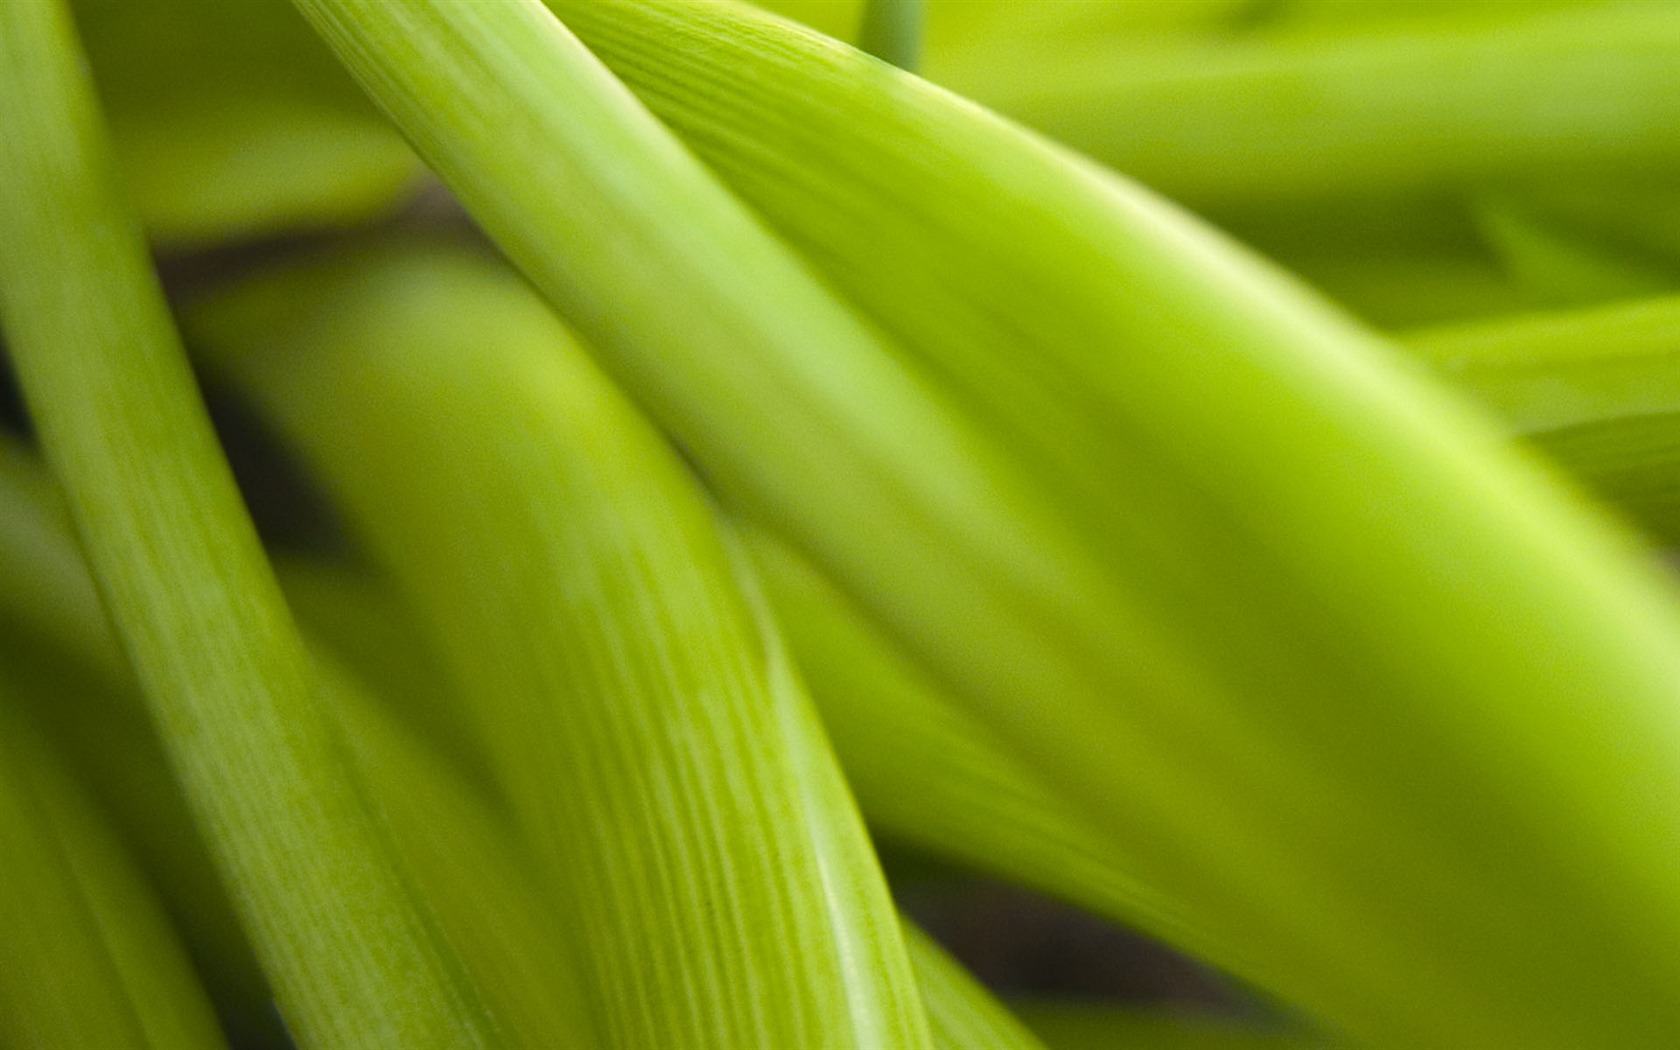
(185, 580)
(230, 121)
(1276, 516)
(56, 637)
(927, 772)
(662, 759)
(1593, 390)
(90, 959)
(457, 848)
(1514, 94)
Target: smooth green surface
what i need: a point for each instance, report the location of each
(230, 120)
(891, 30)
(467, 858)
(1430, 104)
(185, 580)
(462, 856)
(1548, 371)
(1594, 390)
(925, 770)
(662, 759)
(1215, 563)
(76, 683)
(90, 959)
(1564, 266)
(1277, 514)
(1635, 217)
(457, 845)
(457, 848)
(356, 615)
(1395, 261)
(45, 588)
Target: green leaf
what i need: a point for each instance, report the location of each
(927, 772)
(1639, 217)
(74, 679)
(461, 855)
(456, 848)
(1242, 510)
(1558, 369)
(1569, 267)
(1396, 261)
(1593, 390)
(1228, 123)
(660, 755)
(892, 31)
(836, 18)
(231, 120)
(43, 583)
(185, 580)
(923, 771)
(356, 616)
(465, 858)
(90, 959)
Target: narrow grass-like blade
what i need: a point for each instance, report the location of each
(456, 848)
(1567, 368)
(1233, 122)
(231, 120)
(927, 772)
(55, 642)
(922, 771)
(459, 848)
(1594, 390)
(90, 960)
(891, 30)
(462, 856)
(663, 760)
(44, 588)
(1275, 514)
(1395, 261)
(356, 615)
(1562, 266)
(186, 582)
(1641, 216)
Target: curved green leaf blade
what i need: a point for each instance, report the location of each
(90, 959)
(1640, 217)
(356, 615)
(186, 582)
(927, 772)
(231, 121)
(963, 1015)
(1593, 390)
(1273, 510)
(55, 634)
(462, 856)
(1230, 123)
(456, 848)
(1563, 266)
(891, 30)
(661, 757)
(1559, 369)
